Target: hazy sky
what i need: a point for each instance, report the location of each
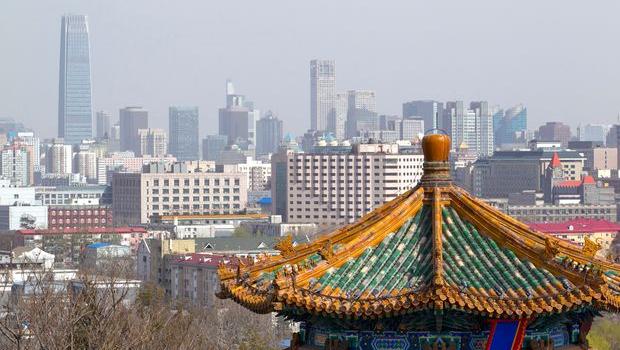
(560, 58)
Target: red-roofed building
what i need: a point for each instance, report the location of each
(67, 244)
(562, 189)
(193, 277)
(601, 231)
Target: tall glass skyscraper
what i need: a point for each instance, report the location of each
(183, 129)
(75, 120)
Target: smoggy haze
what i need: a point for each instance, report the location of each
(559, 58)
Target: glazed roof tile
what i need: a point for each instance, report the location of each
(434, 247)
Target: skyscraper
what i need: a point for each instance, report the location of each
(154, 143)
(238, 120)
(593, 132)
(132, 119)
(430, 111)
(510, 124)
(555, 131)
(183, 129)
(322, 93)
(361, 112)
(268, 134)
(484, 127)
(74, 91)
(212, 147)
(103, 124)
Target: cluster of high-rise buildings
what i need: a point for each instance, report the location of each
(180, 204)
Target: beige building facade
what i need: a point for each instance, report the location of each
(138, 197)
(334, 189)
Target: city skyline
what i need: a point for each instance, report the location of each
(506, 79)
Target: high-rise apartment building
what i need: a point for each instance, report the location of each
(132, 119)
(484, 127)
(430, 111)
(59, 158)
(103, 124)
(462, 125)
(29, 138)
(212, 147)
(16, 164)
(322, 93)
(335, 188)
(86, 165)
(74, 91)
(153, 142)
(268, 134)
(555, 131)
(183, 128)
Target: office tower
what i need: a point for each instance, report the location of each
(593, 132)
(132, 119)
(74, 91)
(103, 125)
(362, 99)
(268, 134)
(411, 129)
(86, 165)
(462, 125)
(16, 164)
(322, 93)
(59, 158)
(238, 120)
(361, 112)
(555, 131)
(212, 147)
(430, 111)
(233, 123)
(484, 127)
(509, 125)
(153, 142)
(386, 122)
(183, 128)
(338, 119)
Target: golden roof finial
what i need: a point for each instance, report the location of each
(436, 148)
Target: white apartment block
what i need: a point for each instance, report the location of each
(86, 165)
(333, 189)
(139, 196)
(258, 174)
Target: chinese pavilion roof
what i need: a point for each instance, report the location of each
(433, 248)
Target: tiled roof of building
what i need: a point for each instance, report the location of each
(83, 230)
(555, 160)
(205, 259)
(577, 226)
(568, 183)
(433, 248)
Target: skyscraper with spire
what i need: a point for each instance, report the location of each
(75, 120)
